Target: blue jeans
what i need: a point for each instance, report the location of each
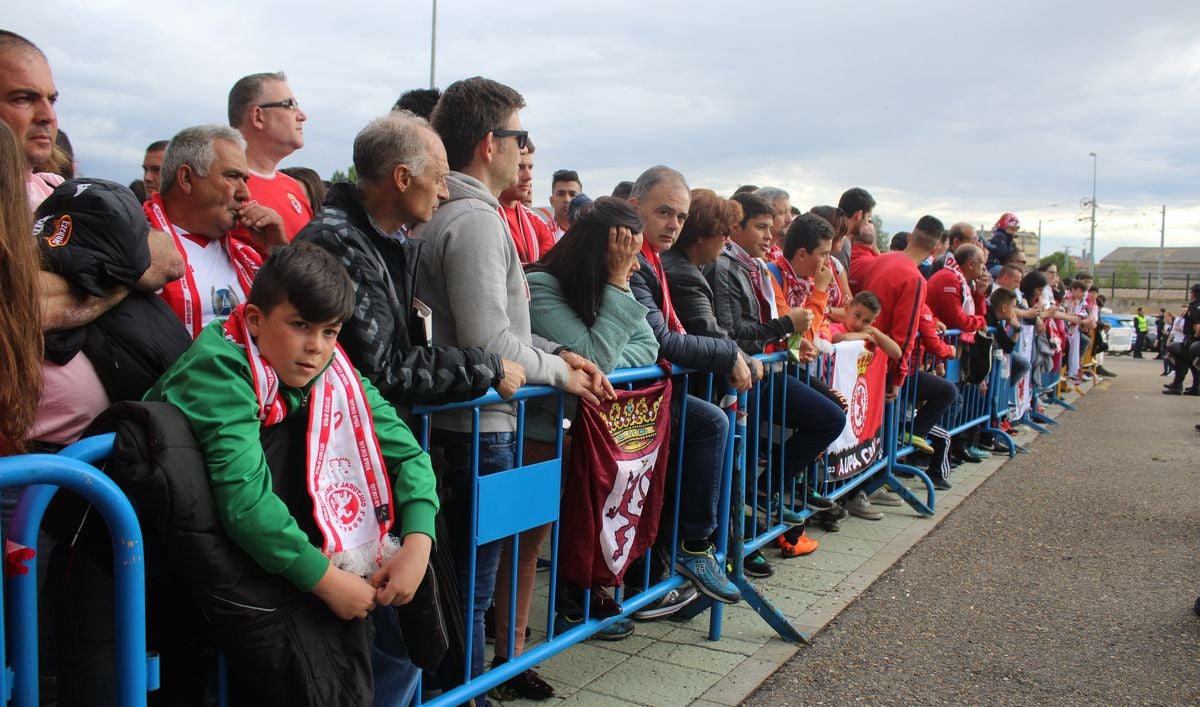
(395, 675)
(703, 463)
(814, 420)
(497, 452)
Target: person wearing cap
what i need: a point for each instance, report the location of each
(264, 110)
(203, 198)
(1003, 241)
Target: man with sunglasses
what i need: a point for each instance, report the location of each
(264, 110)
(472, 281)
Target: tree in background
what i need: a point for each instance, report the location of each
(350, 175)
(883, 239)
(1126, 275)
(1064, 262)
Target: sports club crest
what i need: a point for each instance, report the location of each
(860, 397)
(859, 374)
(295, 203)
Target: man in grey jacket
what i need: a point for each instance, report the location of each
(471, 279)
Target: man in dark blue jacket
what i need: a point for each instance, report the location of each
(661, 198)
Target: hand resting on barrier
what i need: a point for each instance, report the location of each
(587, 380)
(514, 378)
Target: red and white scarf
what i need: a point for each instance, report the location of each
(668, 310)
(836, 296)
(345, 473)
(526, 240)
(968, 302)
(182, 295)
(796, 289)
(760, 282)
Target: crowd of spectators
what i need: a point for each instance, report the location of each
(221, 283)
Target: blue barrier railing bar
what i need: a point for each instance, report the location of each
(133, 673)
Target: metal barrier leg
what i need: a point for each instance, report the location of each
(891, 441)
(767, 611)
(1006, 438)
(1027, 420)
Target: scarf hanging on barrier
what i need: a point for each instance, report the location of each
(1023, 387)
(860, 375)
(668, 310)
(182, 295)
(345, 472)
(613, 491)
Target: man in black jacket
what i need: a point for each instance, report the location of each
(401, 167)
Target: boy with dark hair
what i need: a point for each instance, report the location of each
(860, 315)
(419, 101)
(299, 450)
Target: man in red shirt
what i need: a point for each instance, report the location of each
(265, 111)
(896, 281)
(956, 294)
(530, 232)
(863, 252)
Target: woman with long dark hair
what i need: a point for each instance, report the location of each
(20, 315)
(579, 298)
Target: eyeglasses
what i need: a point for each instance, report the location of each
(522, 136)
(289, 103)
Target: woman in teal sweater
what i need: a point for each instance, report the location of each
(580, 298)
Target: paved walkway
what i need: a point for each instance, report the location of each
(1011, 554)
(1068, 577)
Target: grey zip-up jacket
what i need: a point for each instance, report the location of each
(471, 278)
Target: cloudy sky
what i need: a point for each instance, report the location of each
(962, 110)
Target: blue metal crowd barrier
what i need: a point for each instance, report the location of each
(534, 489)
(758, 428)
(42, 475)
(976, 404)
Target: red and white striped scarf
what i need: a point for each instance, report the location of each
(968, 303)
(345, 474)
(525, 240)
(796, 289)
(182, 295)
(760, 284)
(668, 310)
(836, 296)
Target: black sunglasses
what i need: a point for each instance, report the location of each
(289, 103)
(522, 136)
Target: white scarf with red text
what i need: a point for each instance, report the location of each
(183, 295)
(345, 474)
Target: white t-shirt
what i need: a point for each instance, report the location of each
(216, 280)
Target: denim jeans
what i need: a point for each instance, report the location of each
(497, 452)
(814, 420)
(703, 462)
(395, 675)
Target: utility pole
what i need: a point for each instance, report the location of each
(1162, 242)
(433, 48)
(1092, 242)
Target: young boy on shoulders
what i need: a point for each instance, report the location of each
(860, 315)
(344, 507)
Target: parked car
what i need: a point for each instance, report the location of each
(1121, 333)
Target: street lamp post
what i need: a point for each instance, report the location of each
(433, 47)
(1092, 241)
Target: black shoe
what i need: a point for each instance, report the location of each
(1192, 391)
(1104, 372)
(755, 565)
(941, 483)
(1172, 389)
(527, 685)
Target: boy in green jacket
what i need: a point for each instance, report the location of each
(351, 517)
